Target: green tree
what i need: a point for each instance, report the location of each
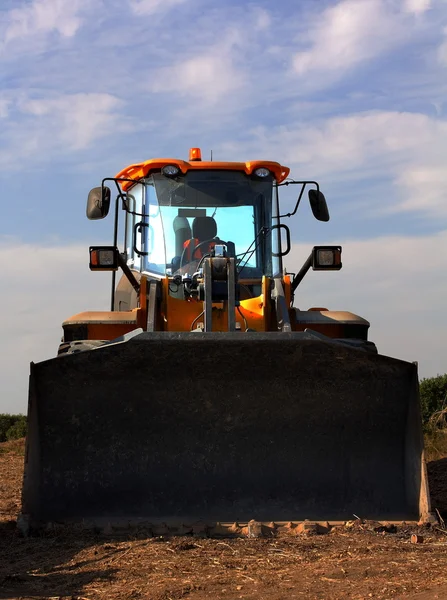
(12, 427)
(6, 421)
(433, 392)
(18, 429)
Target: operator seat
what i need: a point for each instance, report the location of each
(203, 229)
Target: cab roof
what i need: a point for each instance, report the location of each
(143, 169)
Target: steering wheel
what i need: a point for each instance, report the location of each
(215, 240)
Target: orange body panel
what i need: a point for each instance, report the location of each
(175, 315)
(333, 324)
(143, 169)
(108, 325)
(103, 325)
(178, 315)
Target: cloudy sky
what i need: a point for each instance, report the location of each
(351, 93)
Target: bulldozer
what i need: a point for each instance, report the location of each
(204, 399)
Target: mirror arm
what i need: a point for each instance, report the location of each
(301, 273)
(296, 205)
(303, 184)
(127, 272)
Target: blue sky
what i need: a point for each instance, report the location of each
(351, 93)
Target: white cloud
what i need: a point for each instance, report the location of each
(395, 283)
(406, 148)
(151, 7)
(417, 6)
(353, 32)
(70, 122)
(80, 118)
(59, 285)
(384, 136)
(347, 34)
(43, 17)
(424, 188)
(213, 71)
(209, 76)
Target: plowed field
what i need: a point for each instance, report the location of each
(353, 562)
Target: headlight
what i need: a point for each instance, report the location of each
(170, 170)
(261, 172)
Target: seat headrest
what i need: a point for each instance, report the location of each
(204, 228)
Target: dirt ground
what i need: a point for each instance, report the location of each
(352, 562)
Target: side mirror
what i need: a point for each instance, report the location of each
(98, 203)
(318, 205)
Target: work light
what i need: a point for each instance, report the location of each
(261, 172)
(103, 258)
(326, 258)
(170, 170)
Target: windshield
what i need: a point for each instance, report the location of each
(173, 222)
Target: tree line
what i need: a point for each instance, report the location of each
(12, 427)
(433, 393)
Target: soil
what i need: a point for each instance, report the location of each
(358, 560)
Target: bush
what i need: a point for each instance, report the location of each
(12, 427)
(433, 392)
(6, 421)
(18, 429)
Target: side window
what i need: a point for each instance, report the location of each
(153, 234)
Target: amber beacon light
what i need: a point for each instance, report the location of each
(195, 154)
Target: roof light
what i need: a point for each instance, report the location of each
(262, 172)
(195, 154)
(170, 170)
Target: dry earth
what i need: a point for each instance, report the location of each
(349, 562)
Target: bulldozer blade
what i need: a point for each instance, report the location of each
(215, 427)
